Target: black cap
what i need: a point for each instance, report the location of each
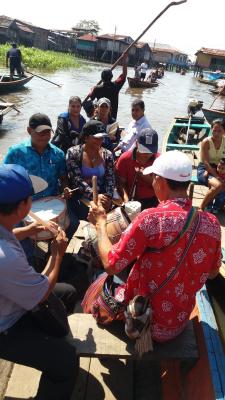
(40, 122)
(147, 142)
(94, 128)
(106, 75)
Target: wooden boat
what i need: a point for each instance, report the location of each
(10, 86)
(137, 83)
(207, 81)
(216, 91)
(4, 109)
(211, 114)
(176, 136)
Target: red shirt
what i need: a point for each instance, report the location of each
(125, 168)
(156, 227)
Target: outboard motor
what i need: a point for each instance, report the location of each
(194, 106)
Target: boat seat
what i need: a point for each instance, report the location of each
(93, 340)
(193, 126)
(178, 146)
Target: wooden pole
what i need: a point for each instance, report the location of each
(14, 107)
(173, 3)
(95, 189)
(44, 79)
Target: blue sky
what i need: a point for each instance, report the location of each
(189, 26)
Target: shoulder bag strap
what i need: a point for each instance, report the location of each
(173, 273)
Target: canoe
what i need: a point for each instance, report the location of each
(207, 81)
(211, 114)
(216, 91)
(4, 109)
(136, 83)
(10, 86)
(176, 136)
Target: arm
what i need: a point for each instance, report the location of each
(58, 248)
(73, 162)
(204, 155)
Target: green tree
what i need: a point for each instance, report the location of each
(88, 25)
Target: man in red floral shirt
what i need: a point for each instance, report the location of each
(158, 227)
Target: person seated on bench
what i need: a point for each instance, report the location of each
(212, 150)
(22, 289)
(159, 228)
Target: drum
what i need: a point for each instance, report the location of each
(117, 221)
(49, 209)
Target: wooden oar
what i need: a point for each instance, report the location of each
(44, 79)
(14, 107)
(173, 3)
(189, 123)
(215, 100)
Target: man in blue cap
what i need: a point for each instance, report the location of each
(110, 89)
(22, 289)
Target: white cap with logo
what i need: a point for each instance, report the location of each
(173, 165)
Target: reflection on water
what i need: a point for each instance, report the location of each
(164, 102)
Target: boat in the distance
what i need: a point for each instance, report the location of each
(7, 85)
(4, 109)
(207, 81)
(211, 114)
(137, 83)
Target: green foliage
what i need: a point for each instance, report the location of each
(89, 25)
(42, 59)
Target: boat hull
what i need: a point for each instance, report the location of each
(211, 114)
(7, 86)
(136, 83)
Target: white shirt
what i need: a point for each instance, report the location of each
(133, 132)
(144, 68)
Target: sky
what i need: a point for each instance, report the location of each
(187, 27)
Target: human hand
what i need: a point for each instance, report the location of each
(105, 201)
(96, 214)
(59, 243)
(35, 227)
(67, 193)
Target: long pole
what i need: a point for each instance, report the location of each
(44, 79)
(14, 107)
(173, 3)
(112, 55)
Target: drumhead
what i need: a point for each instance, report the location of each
(47, 209)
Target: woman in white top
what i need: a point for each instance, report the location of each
(211, 152)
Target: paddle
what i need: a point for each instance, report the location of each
(215, 100)
(14, 107)
(95, 189)
(44, 79)
(189, 123)
(173, 3)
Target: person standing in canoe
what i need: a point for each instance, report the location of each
(110, 89)
(14, 60)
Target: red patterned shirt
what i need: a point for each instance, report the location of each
(157, 227)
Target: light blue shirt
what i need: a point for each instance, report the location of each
(50, 165)
(21, 287)
(133, 132)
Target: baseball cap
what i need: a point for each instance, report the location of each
(16, 184)
(39, 122)
(147, 142)
(106, 75)
(173, 165)
(104, 100)
(94, 128)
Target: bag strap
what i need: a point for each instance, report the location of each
(173, 273)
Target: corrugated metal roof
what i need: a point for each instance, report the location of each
(89, 37)
(164, 48)
(24, 28)
(114, 37)
(5, 22)
(211, 52)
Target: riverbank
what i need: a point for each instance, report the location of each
(42, 59)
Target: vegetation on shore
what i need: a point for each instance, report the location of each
(42, 59)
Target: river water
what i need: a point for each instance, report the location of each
(162, 103)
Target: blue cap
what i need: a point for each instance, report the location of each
(16, 185)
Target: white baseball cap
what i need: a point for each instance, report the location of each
(173, 165)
